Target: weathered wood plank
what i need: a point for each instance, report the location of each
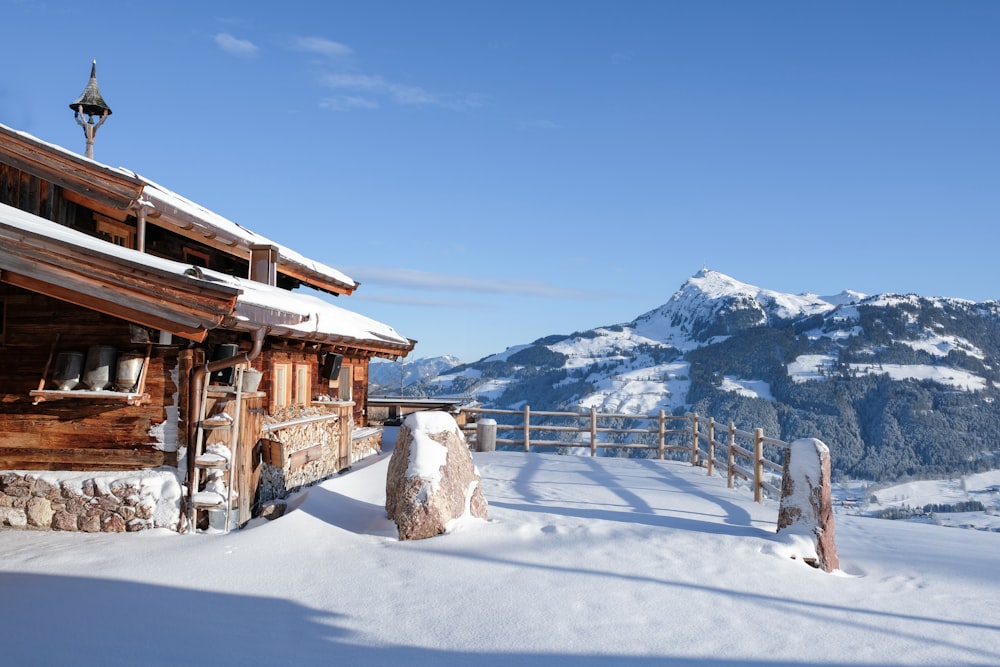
(303, 456)
(102, 184)
(83, 459)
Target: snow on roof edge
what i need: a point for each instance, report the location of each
(208, 217)
(299, 314)
(218, 222)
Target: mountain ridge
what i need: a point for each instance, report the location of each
(896, 384)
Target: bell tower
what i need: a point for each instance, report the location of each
(90, 110)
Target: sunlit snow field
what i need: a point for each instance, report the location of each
(585, 561)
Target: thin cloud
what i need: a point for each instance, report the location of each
(419, 301)
(540, 124)
(426, 280)
(396, 93)
(348, 103)
(322, 47)
(243, 48)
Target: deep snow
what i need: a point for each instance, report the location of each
(584, 562)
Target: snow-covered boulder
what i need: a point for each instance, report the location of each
(805, 514)
(431, 480)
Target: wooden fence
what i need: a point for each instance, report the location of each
(706, 442)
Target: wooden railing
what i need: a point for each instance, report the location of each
(708, 443)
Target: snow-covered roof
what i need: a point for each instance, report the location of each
(281, 312)
(186, 214)
(124, 189)
(303, 316)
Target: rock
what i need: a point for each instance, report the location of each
(431, 479)
(18, 487)
(112, 523)
(64, 520)
(273, 510)
(806, 508)
(135, 526)
(91, 521)
(39, 512)
(43, 489)
(144, 511)
(107, 503)
(14, 518)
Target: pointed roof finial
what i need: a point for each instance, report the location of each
(90, 101)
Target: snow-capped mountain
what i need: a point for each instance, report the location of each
(393, 377)
(711, 305)
(895, 384)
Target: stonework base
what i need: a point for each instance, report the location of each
(114, 502)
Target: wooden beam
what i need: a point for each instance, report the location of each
(110, 187)
(109, 211)
(90, 458)
(190, 332)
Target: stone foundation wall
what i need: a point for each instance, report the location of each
(90, 502)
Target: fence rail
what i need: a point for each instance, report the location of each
(710, 444)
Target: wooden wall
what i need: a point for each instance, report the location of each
(292, 353)
(74, 433)
(34, 195)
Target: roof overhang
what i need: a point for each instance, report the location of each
(185, 218)
(119, 193)
(110, 188)
(62, 263)
(49, 259)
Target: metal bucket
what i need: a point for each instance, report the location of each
(129, 368)
(251, 380)
(66, 374)
(97, 371)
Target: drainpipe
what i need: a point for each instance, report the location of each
(143, 209)
(200, 375)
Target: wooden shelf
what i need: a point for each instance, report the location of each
(139, 397)
(40, 395)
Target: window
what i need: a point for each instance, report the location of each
(303, 384)
(195, 257)
(281, 386)
(115, 232)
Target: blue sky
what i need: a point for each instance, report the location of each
(494, 172)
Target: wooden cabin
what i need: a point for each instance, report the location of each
(156, 367)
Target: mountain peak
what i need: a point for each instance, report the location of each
(711, 304)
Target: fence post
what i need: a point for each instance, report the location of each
(758, 465)
(711, 444)
(593, 431)
(731, 461)
(662, 435)
(694, 438)
(486, 435)
(527, 428)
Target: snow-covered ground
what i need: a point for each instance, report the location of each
(983, 488)
(584, 562)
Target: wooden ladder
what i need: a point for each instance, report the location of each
(207, 462)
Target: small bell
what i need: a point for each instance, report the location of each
(90, 100)
(91, 105)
